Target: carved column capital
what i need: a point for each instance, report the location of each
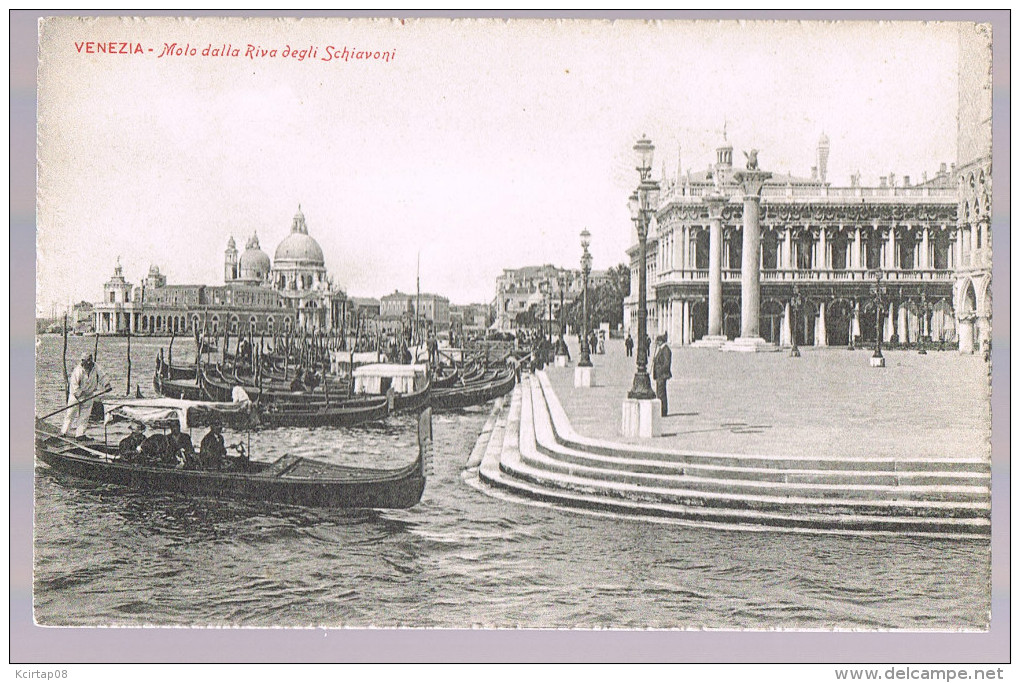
(715, 203)
(751, 183)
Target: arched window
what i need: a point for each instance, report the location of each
(270, 325)
(215, 324)
(233, 324)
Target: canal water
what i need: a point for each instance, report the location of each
(109, 556)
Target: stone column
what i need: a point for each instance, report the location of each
(902, 330)
(751, 182)
(855, 321)
(715, 205)
(784, 326)
(788, 249)
(891, 256)
(676, 327)
(821, 337)
(925, 258)
(965, 332)
(823, 256)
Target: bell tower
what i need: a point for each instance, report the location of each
(823, 157)
(230, 261)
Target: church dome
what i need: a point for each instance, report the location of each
(299, 246)
(254, 263)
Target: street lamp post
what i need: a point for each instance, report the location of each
(795, 303)
(585, 360)
(878, 290)
(550, 318)
(543, 288)
(642, 207)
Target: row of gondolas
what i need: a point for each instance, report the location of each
(261, 391)
(366, 394)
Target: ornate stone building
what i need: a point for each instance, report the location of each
(292, 294)
(518, 289)
(826, 244)
(972, 291)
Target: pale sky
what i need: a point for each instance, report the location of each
(482, 144)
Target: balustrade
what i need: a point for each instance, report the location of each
(810, 275)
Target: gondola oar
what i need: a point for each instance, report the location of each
(68, 407)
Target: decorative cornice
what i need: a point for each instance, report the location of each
(822, 213)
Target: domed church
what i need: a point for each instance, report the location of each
(290, 293)
(297, 273)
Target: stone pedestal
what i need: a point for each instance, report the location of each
(878, 362)
(641, 417)
(584, 376)
(749, 345)
(710, 341)
(560, 361)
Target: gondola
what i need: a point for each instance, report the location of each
(346, 414)
(188, 389)
(474, 393)
(289, 480)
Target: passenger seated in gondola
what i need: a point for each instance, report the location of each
(213, 451)
(298, 384)
(169, 450)
(130, 447)
(310, 380)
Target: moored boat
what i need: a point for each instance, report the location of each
(289, 480)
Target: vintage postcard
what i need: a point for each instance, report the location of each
(581, 324)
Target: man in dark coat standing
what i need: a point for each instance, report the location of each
(662, 371)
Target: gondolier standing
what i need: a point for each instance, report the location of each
(82, 389)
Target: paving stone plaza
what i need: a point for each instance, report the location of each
(827, 402)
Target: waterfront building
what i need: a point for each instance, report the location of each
(433, 308)
(470, 317)
(823, 247)
(973, 291)
(259, 296)
(824, 242)
(518, 289)
(364, 307)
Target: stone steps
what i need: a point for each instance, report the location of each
(566, 436)
(549, 455)
(532, 452)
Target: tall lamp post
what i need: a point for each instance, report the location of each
(642, 207)
(542, 287)
(878, 290)
(585, 360)
(561, 344)
(796, 301)
(548, 289)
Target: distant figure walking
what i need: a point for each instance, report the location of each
(628, 344)
(82, 389)
(662, 371)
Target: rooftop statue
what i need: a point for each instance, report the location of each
(752, 160)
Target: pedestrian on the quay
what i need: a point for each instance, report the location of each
(662, 368)
(82, 389)
(628, 344)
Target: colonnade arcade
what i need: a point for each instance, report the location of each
(829, 256)
(119, 322)
(820, 317)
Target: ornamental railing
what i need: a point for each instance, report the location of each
(787, 275)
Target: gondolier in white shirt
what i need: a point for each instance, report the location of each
(82, 389)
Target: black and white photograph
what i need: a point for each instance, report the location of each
(582, 325)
